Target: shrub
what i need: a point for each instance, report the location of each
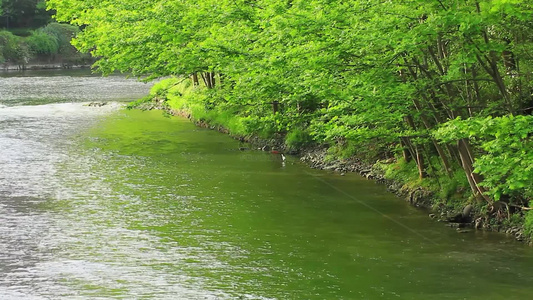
(42, 43)
(13, 48)
(298, 138)
(507, 153)
(528, 226)
(64, 34)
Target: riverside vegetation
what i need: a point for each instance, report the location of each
(435, 94)
(28, 36)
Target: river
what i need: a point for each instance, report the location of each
(106, 203)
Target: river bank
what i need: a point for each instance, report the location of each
(465, 218)
(42, 66)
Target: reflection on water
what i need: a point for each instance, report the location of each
(100, 203)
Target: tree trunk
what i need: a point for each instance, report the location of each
(416, 152)
(438, 147)
(406, 151)
(467, 160)
(209, 79)
(275, 107)
(420, 163)
(194, 78)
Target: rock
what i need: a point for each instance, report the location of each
(478, 223)
(457, 225)
(330, 167)
(97, 104)
(292, 152)
(466, 211)
(365, 171)
(266, 148)
(432, 216)
(463, 217)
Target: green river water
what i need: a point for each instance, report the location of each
(105, 203)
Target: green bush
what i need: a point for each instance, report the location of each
(22, 32)
(528, 226)
(298, 138)
(42, 43)
(505, 162)
(8, 44)
(13, 48)
(64, 34)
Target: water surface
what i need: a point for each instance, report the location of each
(104, 203)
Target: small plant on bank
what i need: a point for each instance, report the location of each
(297, 139)
(515, 220)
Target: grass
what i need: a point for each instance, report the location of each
(451, 191)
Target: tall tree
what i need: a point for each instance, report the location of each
(24, 14)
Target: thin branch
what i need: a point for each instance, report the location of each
(442, 5)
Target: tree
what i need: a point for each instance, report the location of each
(23, 14)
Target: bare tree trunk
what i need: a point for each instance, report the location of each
(440, 151)
(204, 79)
(212, 79)
(194, 78)
(209, 79)
(406, 151)
(467, 160)
(275, 107)
(417, 153)
(420, 163)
